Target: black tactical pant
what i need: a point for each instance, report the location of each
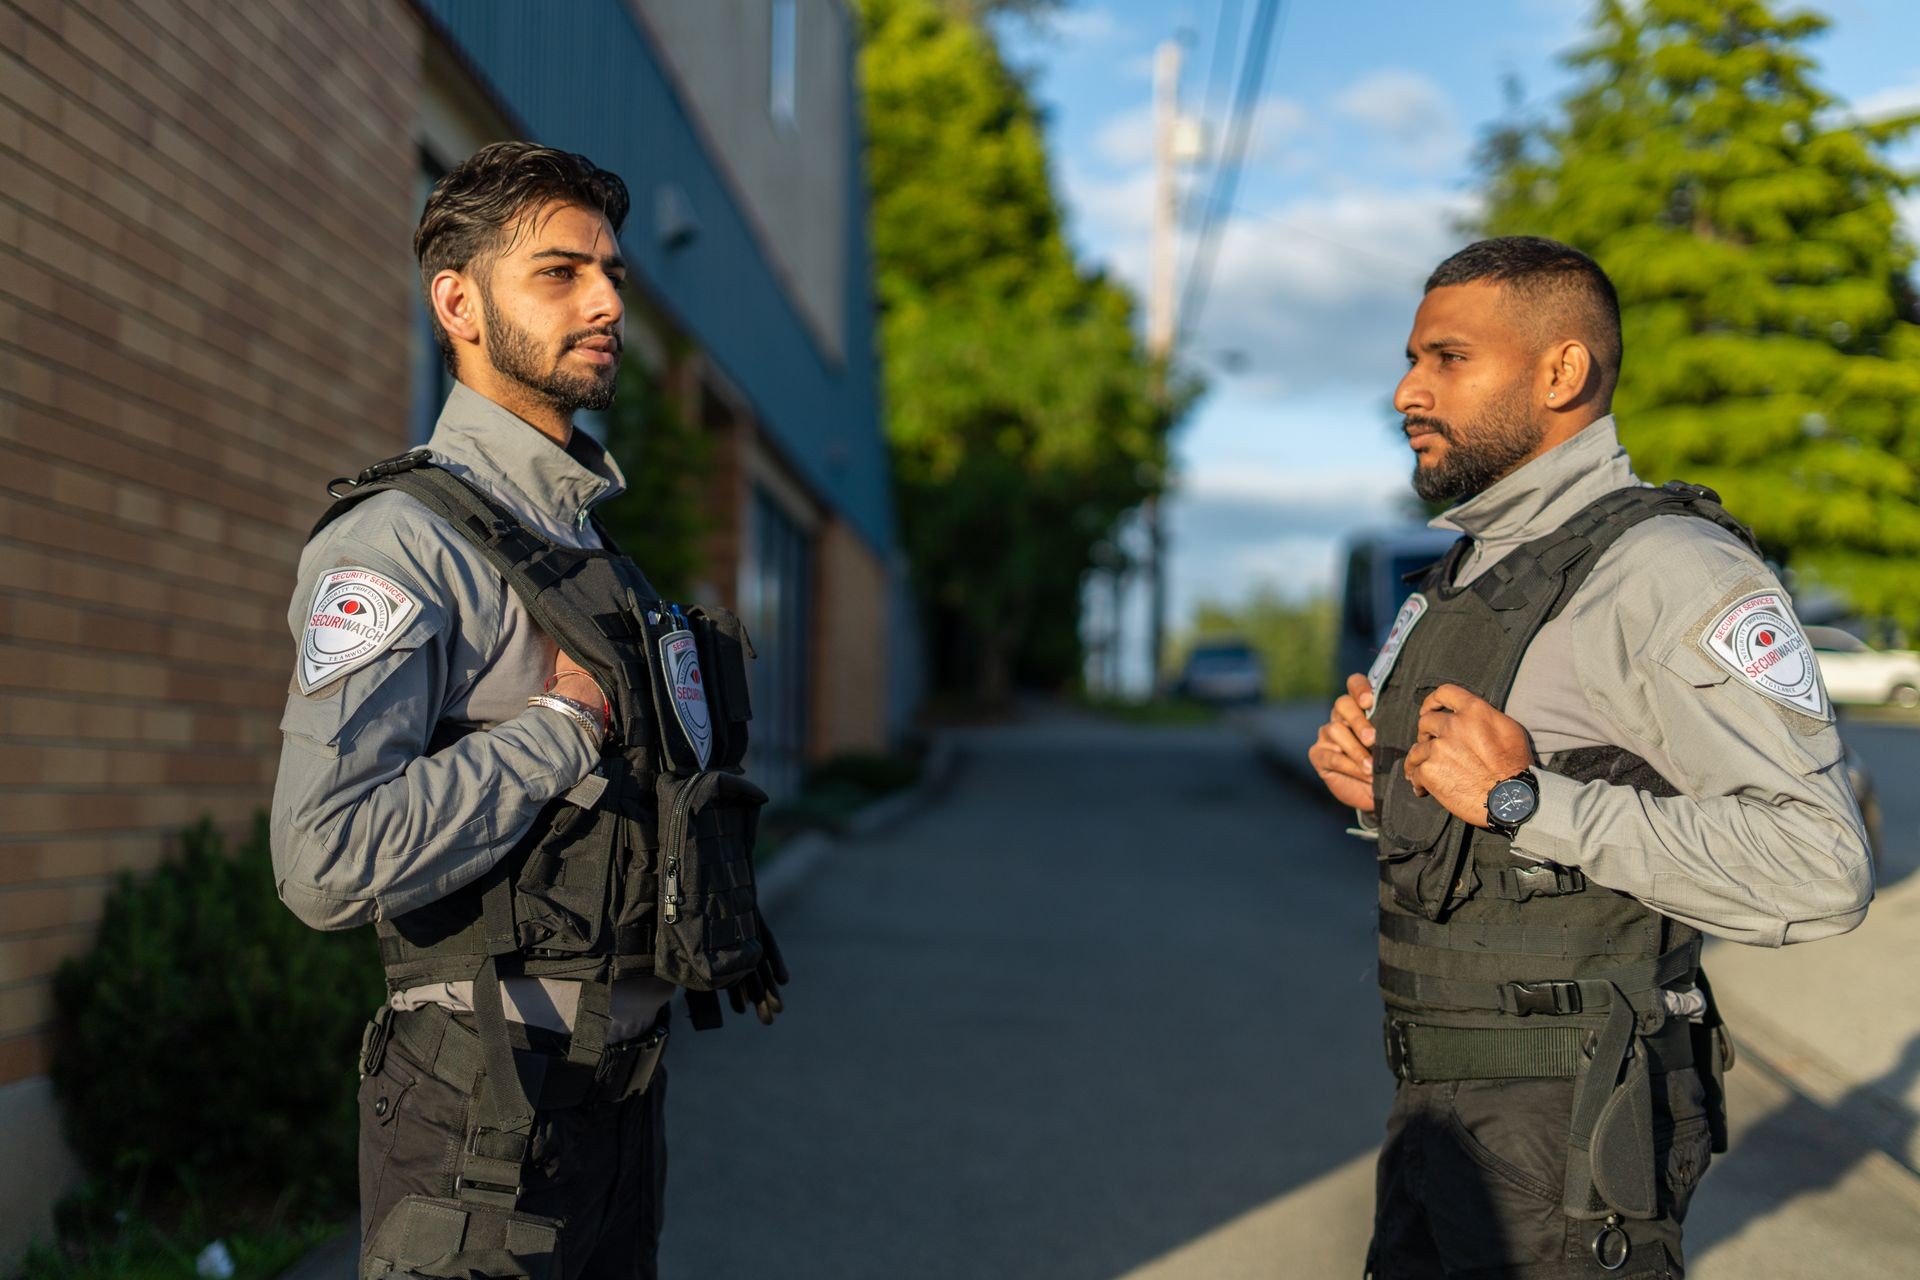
(1471, 1178)
(594, 1182)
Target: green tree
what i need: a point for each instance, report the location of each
(1020, 406)
(661, 520)
(1749, 224)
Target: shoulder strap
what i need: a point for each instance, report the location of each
(1567, 555)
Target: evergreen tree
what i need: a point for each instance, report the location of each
(1019, 402)
(1750, 227)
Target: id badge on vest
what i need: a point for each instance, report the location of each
(680, 660)
(1403, 623)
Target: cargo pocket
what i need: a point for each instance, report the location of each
(560, 894)
(1494, 1181)
(438, 1237)
(708, 928)
(382, 1095)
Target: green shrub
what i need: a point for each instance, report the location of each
(209, 1040)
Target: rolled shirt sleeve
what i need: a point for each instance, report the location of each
(1764, 844)
(371, 820)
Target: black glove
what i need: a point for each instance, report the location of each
(761, 988)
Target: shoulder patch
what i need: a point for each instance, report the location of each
(355, 615)
(1758, 639)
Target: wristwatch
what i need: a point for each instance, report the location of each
(1512, 802)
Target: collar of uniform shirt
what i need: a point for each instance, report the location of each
(1545, 493)
(506, 453)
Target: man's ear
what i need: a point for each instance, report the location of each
(456, 305)
(1567, 375)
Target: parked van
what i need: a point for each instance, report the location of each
(1378, 564)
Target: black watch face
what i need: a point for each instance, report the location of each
(1511, 802)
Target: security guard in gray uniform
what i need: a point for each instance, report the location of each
(505, 750)
(1594, 733)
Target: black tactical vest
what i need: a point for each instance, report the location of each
(646, 866)
(1494, 966)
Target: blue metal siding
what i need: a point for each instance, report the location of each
(583, 77)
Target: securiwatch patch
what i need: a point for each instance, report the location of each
(356, 614)
(1758, 640)
(680, 657)
(1411, 612)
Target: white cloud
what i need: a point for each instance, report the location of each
(1319, 293)
(1081, 27)
(1410, 113)
(1235, 527)
(1897, 100)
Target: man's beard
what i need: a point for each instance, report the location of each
(515, 353)
(1495, 444)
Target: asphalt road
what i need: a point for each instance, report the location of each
(1107, 1011)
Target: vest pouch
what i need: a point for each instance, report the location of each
(560, 894)
(709, 927)
(724, 650)
(444, 1237)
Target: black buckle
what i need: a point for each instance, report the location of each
(1397, 1055)
(1544, 997)
(373, 1041)
(1546, 880)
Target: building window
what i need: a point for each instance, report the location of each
(783, 72)
(431, 382)
(776, 599)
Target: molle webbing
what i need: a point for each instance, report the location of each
(1418, 1053)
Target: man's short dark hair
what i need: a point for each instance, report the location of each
(464, 226)
(1565, 292)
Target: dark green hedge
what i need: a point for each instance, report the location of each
(209, 1041)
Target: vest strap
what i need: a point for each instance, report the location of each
(1631, 984)
(1418, 1054)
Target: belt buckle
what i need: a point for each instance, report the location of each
(373, 1041)
(1398, 1055)
(1552, 997)
(646, 1060)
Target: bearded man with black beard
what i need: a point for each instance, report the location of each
(1594, 734)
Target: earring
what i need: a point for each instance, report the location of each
(1552, 394)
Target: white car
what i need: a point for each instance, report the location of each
(1855, 672)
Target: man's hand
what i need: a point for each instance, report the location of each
(1343, 753)
(571, 680)
(1463, 747)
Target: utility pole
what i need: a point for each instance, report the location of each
(1160, 315)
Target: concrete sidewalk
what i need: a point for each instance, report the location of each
(1835, 1021)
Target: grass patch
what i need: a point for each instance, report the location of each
(832, 793)
(97, 1240)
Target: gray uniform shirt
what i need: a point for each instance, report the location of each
(1764, 844)
(379, 808)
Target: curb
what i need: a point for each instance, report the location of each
(1870, 1115)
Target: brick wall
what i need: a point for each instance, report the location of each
(850, 651)
(205, 279)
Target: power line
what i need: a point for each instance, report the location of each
(1226, 175)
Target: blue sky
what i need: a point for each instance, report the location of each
(1358, 169)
